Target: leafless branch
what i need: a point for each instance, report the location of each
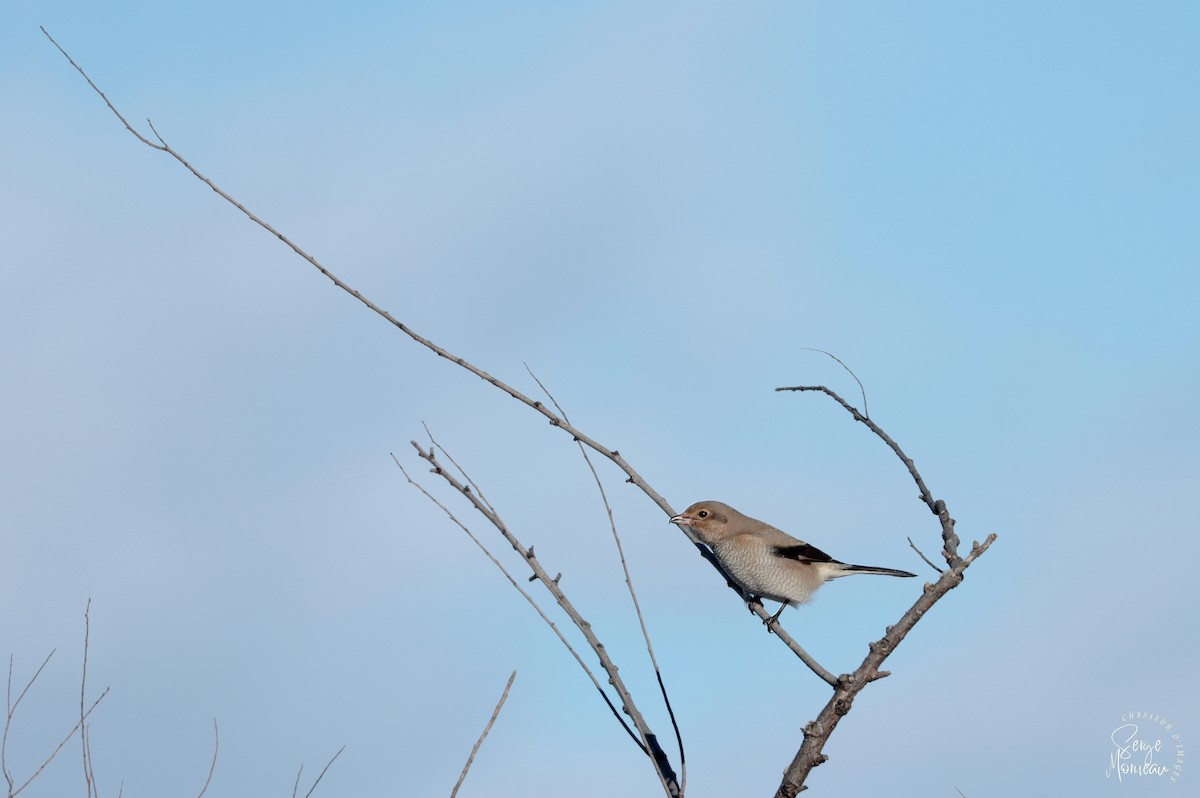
(658, 757)
(475, 749)
(88, 774)
(532, 602)
(632, 476)
(936, 506)
(213, 767)
(923, 557)
(321, 775)
(11, 707)
(861, 388)
(817, 732)
(65, 740)
(628, 584)
(478, 490)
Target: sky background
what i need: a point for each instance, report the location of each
(989, 211)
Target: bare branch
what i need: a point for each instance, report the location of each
(321, 775)
(70, 734)
(532, 602)
(658, 757)
(936, 506)
(11, 710)
(478, 490)
(296, 786)
(628, 584)
(923, 557)
(11, 707)
(486, 729)
(817, 733)
(211, 768)
(83, 734)
(861, 388)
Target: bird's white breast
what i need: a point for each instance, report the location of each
(758, 570)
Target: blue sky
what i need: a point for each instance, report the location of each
(988, 211)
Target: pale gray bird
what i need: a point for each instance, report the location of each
(766, 562)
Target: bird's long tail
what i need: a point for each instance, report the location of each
(870, 569)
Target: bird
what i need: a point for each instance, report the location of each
(765, 562)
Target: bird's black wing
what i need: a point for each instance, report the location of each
(803, 553)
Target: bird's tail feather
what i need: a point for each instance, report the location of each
(870, 569)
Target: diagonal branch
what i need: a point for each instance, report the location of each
(658, 757)
(321, 775)
(632, 476)
(517, 586)
(482, 737)
(817, 732)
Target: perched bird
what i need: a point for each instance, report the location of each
(764, 561)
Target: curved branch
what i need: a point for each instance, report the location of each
(936, 506)
(525, 594)
(817, 732)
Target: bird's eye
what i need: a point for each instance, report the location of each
(703, 513)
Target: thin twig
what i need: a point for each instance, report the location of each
(90, 775)
(83, 734)
(532, 602)
(321, 775)
(478, 490)
(861, 388)
(211, 768)
(11, 709)
(628, 584)
(923, 557)
(296, 786)
(475, 749)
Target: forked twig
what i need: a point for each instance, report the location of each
(54, 753)
(475, 749)
(861, 388)
(923, 557)
(662, 765)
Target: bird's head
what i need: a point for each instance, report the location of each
(709, 521)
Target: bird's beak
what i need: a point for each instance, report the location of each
(681, 520)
